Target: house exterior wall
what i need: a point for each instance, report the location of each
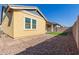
(19, 24)
(7, 29)
(52, 30)
(49, 28)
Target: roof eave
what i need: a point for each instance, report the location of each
(27, 7)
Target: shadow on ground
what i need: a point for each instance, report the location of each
(58, 45)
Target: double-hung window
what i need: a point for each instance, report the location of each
(33, 24)
(29, 23)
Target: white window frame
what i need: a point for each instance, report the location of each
(30, 25)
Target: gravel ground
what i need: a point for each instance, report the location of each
(38, 45)
(9, 46)
(58, 45)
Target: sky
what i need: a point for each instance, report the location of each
(0, 11)
(64, 14)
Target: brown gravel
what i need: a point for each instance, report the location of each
(9, 46)
(38, 45)
(58, 45)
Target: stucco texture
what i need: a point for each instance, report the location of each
(19, 24)
(7, 29)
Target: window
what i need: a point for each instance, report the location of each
(33, 24)
(27, 23)
(30, 23)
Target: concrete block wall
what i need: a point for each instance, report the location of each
(75, 31)
(61, 29)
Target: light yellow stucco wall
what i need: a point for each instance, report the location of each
(7, 29)
(19, 25)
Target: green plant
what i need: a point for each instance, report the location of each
(58, 33)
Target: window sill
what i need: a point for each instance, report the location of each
(29, 29)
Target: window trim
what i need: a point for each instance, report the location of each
(30, 25)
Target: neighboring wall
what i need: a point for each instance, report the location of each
(61, 29)
(75, 31)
